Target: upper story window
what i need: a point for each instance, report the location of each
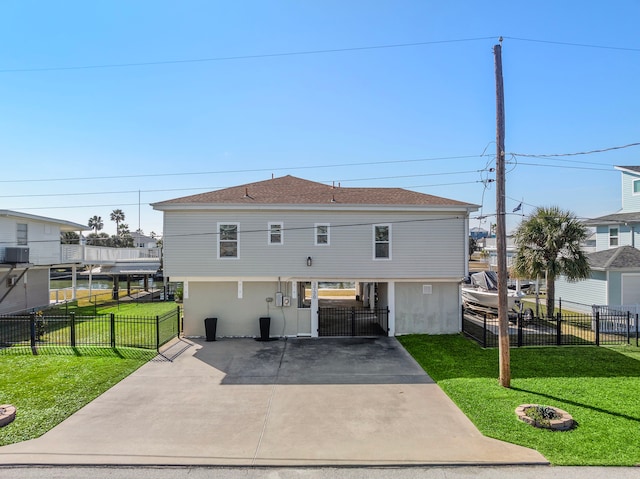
(636, 187)
(228, 240)
(275, 233)
(22, 237)
(382, 241)
(613, 236)
(322, 235)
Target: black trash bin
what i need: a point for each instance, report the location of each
(265, 326)
(210, 325)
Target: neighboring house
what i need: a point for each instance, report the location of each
(490, 246)
(263, 248)
(29, 247)
(614, 281)
(621, 228)
(143, 241)
(478, 233)
(615, 260)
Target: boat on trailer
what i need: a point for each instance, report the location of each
(481, 291)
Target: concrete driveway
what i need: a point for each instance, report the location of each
(286, 402)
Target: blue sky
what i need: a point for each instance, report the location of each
(78, 142)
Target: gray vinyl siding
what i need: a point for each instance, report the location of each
(624, 237)
(630, 202)
(422, 245)
(43, 240)
(583, 293)
(434, 313)
(29, 295)
(239, 317)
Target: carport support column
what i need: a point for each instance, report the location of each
(391, 304)
(314, 309)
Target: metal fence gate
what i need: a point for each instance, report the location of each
(353, 322)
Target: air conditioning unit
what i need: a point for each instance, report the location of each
(16, 255)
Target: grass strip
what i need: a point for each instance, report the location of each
(597, 386)
(48, 388)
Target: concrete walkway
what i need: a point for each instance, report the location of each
(293, 402)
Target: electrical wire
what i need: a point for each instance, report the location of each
(241, 57)
(222, 172)
(571, 44)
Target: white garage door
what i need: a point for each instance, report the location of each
(631, 289)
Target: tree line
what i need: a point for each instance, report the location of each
(122, 238)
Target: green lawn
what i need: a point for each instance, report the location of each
(48, 388)
(599, 387)
(124, 307)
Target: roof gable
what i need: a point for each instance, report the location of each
(635, 170)
(623, 257)
(290, 190)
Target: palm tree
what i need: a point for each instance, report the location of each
(118, 217)
(96, 223)
(548, 243)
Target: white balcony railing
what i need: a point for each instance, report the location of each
(70, 253)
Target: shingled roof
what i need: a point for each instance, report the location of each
(615, 218)
(292, 190)
(624, 257)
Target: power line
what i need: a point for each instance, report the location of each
(284, 229)
(571, 44)
(242, 57)
(589, 152)
(255, 170)
(211, 188)
(566, 167)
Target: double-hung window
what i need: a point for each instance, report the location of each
(613, 237)
(322, 234)
(381, 241)
(228, 240)
(275, 233)
(22, 235)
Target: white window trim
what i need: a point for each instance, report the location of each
(617, 236)
(633, 187)
(19, 240)
(275, 223)
(373, 231)
(315, 234)
(237, 256)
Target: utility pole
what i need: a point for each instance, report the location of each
(501, 235)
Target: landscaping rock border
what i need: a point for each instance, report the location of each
(563, 423)
(7, 414)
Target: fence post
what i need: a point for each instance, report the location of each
(597, 328)
(73, 329)
(32, 332)
(628, 327)
(158, 333)
(636, 330)
(353, 321)
(484, 330)
(113, 329)
(179, 330)
(559, 329)
(520, 329)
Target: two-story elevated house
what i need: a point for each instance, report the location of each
(263, 249)
(615, 264)
(29, 247)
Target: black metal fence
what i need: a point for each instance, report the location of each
(108, 330)
(565, 329)
(353, 322)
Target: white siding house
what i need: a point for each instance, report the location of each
(263, 248)
(29, 246)
(615, 263)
